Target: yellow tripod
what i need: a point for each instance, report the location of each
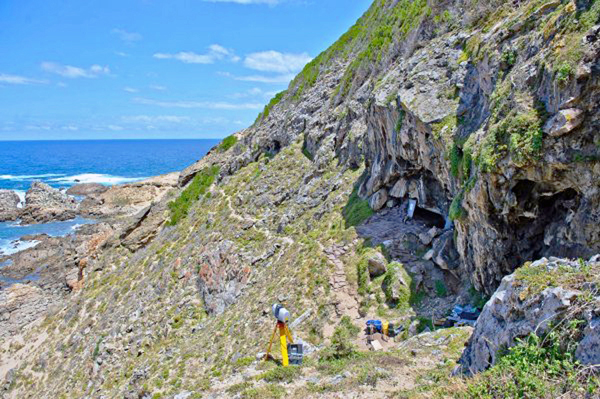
(284, 332)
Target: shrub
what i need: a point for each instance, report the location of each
(280, 374)
(356, 210)
(342, 345)
(456, 211)
(200, 184)
(227, 143)
(440, 289)
(564, 73)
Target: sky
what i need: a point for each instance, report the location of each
(131, 69)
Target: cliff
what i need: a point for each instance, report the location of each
(484, 113)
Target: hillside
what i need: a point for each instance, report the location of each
(485, 113)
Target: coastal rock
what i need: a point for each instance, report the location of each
(9, 205)
(517, 309)
(85, 189)
(45, 204)
(128, 199)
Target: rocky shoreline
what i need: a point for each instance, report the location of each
(36, 278)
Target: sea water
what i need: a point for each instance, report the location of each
(62, 164)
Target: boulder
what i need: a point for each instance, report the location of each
(45, 204)
(85, 189)
(400, 189)
(9, 205)
(516, 310)
(564, 122)
(379, 199)
(444, 251)
(377, 264)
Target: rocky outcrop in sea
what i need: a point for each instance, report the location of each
(9, 205)
(44, 204)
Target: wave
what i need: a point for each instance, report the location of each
(107, 180)
(21, 194)
(29, 177)
(12, 247)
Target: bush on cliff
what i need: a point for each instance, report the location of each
(227, 143)
(181, 206)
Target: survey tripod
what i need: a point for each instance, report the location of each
(282, 316)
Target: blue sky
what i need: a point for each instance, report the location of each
(112, 69)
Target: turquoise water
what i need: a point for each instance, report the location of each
(62, 164)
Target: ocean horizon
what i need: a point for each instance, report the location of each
(63, 163)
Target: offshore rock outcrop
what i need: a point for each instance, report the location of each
(44, 204)
(9, 205)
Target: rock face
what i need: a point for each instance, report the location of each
(85, 189)
(44, 204)
(9, 205)
(519, 307)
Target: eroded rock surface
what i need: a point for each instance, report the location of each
(44, 204)
(522, 306)
(9, 205)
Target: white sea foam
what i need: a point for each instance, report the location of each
(29, 177)
(21, 194)
(107, 180)
(13, 247)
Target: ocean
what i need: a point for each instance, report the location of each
(62, 164)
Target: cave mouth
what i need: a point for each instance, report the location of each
(430, 218)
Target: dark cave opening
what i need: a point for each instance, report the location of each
(430, 218)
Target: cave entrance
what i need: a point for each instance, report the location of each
(430, 218)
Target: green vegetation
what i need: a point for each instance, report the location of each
(281, 374)
(509, 58)
(440, 289)
(520, 134)
(400, 121)
(228, 142)
(564, 73)
(455, 160)
(342, 345)
(200, 184)
(538, 367)
(356, 210)
(274, 101)
(395, 272)
(456, 211)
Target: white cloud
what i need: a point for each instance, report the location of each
(130, 90)
(198, 104)
(121, 54)
(279, 79)
(115, 128)
(157, 87)
(215, 53)
(19, 80)
(274, 61)
(127, 37)
(269, 2)
(72, 72)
